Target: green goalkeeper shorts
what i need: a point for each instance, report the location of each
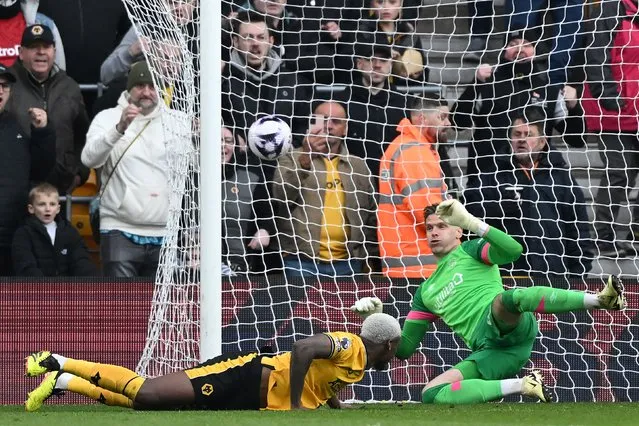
(499, 356)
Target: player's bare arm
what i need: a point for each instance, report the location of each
(302, 355)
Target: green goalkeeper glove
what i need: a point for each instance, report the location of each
(367, 306)
(454, 213)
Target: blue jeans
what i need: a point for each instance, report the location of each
(296, 267)
(567, 33)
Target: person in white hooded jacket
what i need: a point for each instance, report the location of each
(130, 146)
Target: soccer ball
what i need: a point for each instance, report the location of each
(270, 137)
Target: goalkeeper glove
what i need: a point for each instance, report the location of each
(367, 306)
(454, 213)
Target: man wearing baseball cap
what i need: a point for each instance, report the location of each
(41, 84)
(24, 159)
(15, 16)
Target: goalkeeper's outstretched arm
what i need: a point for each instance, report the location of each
(413, 333)
(503, 248)
(415, 327)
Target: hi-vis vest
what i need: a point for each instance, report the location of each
(410, 180)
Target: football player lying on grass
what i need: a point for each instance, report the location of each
(499, 326)
(309, 376)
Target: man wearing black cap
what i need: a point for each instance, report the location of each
(41, 84)
(375, 107)
(15, 16)
(128, 143)
(24, 159)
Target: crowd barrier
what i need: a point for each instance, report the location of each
(584, 357)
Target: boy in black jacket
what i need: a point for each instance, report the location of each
(47, 244)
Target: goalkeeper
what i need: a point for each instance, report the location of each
(498, 325)
(310, 375)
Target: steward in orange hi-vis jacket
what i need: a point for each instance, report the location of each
(410, 180)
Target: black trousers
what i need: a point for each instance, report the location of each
(620, 156)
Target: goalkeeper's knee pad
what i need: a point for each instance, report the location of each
(428, 395)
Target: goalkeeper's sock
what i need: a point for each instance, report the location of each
(472, 391)
(543, 300)
(110, 377)
(75, 384)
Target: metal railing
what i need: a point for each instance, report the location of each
(68, 201)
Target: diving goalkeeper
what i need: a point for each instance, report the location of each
(310, 375)
(498, 325)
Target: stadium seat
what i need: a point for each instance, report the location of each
(80, 215)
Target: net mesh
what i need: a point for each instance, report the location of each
(572, 221)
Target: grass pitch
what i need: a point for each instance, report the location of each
(608, 414)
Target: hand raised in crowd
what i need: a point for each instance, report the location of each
(128, 115)
(141, 45)
(570, 96)
(38, 118)
(314, 144)
(333, 30)
(260, 240)
(484, 72)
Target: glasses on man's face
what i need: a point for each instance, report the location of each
(5, 86)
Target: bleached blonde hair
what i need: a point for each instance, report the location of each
(380, 328)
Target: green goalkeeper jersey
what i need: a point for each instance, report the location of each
(458, 292)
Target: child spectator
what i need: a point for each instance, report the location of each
(47, 244)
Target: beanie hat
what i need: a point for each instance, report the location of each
(139, 74)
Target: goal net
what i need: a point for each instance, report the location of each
(304, 238)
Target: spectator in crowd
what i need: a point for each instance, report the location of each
(254, 83)
(15, 16)
(286, 29)
(41, 84)
(567, 16)
(129, 144)
(132, 48)
(47, 245)
(409, 57)
(248, 216)
(411, 179)
(91, 29)
(498, 91)
(533, 197)
(326, 223)
(611, 102)
(24, 159)
(375, 107)
(327, 36)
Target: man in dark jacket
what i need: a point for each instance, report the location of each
(255, 83)
(41, 85)
(327, 36)
(487, 104)
(375, 107)
(23, 159)
(47, 245)
(533, 197)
